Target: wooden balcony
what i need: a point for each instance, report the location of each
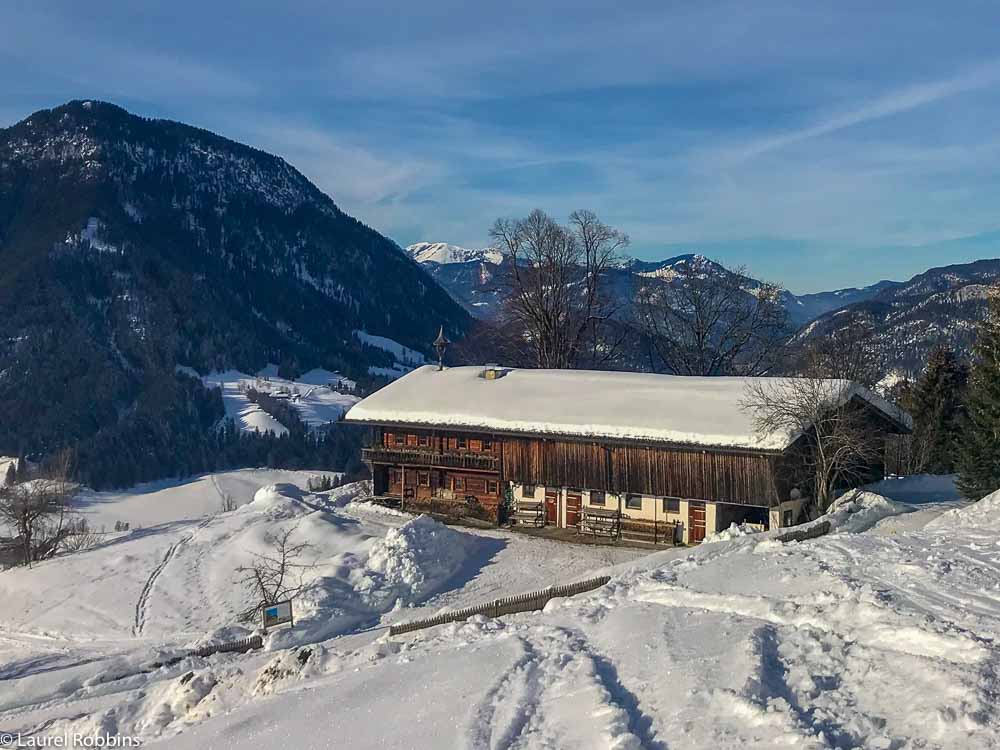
(417, 457)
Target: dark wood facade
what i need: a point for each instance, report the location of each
(422, 467)
(742, 478)
(450, 472)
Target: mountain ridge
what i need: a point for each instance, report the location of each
(130, 246)
(910, 317)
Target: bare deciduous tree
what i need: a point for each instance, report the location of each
(850, 352)
(839, 445)
(79, 536)
(558, 302)
(276, 575)
(700, 322)
(36, 508)
(839, 442)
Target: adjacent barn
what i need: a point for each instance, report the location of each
(657, 458)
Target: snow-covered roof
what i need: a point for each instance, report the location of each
(584, 403)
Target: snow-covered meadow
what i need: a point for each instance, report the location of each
(314, 396)
(881, 634)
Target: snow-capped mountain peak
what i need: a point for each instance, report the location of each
(442, 253)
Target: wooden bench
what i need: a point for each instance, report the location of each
(600, 522)
(529, 513)
(649, 532)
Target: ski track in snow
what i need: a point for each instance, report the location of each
(870, 640)
(556, 664)
(142, 604)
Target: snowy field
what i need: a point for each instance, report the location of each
(882, 634)
(312, 396)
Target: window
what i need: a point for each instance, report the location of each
(424, 478)
(633, 502)
(487, 445)
(786, 518)
(457, 483)
(491, 488)
(423, 441)
(411, 439)
(671, 505)
(399, 438)
(596, 497)
(476, 445)
(528, 490)
(463, 443)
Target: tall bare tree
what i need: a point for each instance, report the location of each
(839, 445)
(558, 304)
(36, 507)
(839, 442)
(703, 322)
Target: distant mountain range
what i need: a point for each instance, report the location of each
(940, 305)
(132, 247)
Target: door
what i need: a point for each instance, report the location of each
(574, 501)
(552, 507)
(696, 522)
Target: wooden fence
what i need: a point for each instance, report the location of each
(242, 646)
(507, 606)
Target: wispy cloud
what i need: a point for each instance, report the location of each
(887, 105)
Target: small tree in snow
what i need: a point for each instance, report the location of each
(276, 575)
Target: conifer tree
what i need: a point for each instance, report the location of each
(936, 403)
(979, 454)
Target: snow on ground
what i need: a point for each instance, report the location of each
(406, 358)
(312, 396)
(854, 639)
(171, 500)
(86, 635)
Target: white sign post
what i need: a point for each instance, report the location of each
(279, 613)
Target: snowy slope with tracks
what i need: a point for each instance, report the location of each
(882, 634)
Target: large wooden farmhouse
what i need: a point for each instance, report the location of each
(657, 457)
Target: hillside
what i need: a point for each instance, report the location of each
(939, 306)
(853, 639)
(130, 247)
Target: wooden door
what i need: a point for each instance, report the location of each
(696, 522)
(574, 501)
(552, 507)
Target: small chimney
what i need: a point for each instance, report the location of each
(493, 371)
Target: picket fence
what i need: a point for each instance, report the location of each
(507, 606)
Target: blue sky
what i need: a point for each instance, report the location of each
(819, 144)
